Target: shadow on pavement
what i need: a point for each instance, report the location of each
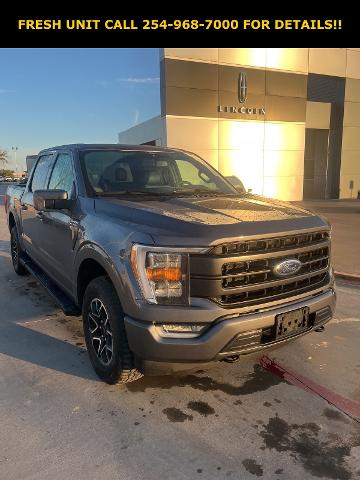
(22, 342)
(4, 246)
(28, 345)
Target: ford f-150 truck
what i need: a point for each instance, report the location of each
(168, 263)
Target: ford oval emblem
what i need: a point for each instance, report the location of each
(287, 267)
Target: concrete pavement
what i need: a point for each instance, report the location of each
(3, 187)
(344, 216)
(231, 421)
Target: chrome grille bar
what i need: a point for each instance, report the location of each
(274, 283)
(265, 296)
(278, 243)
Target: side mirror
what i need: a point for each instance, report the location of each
(236, 183)
(51, 200)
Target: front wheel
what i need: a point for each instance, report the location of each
(105, 334)
(16, 252)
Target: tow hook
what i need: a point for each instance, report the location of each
(320, 329)
(232, 359)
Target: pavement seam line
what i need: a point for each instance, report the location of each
(345, 405)
(347, 276)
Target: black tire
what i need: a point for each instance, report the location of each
(116, 366)
(16, 253)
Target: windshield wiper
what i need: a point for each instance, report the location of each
(183, 192)
(131, 192)
(200, 191)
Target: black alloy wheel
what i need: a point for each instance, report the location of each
(100, 331)
(16, 253)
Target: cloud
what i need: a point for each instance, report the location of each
(139, 80)
(136, 117)
(129, 80)
(4, 91)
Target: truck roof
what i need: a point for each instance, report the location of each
(107, 146)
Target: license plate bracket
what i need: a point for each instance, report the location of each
(292, 323)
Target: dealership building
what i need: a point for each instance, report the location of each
(284, 120)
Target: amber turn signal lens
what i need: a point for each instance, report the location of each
(167, 274)
(133, 261)
(163, 276)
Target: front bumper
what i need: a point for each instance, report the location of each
(220, 340)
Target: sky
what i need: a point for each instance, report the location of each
(52, 97)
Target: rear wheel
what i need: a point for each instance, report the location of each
(16, 253)
(105, 334)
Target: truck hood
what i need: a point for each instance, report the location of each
(212, 210)
(201, 216)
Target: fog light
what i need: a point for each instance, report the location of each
(183, 330)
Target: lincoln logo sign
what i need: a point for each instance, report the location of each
(287, 267)
(242, 87)
(242, 97)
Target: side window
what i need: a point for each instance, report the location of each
(191, 175)
(62, 177)
(41, 173)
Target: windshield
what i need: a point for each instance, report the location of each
(116, 172)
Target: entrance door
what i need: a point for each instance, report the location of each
(316, 163)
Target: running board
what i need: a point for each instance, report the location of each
(61, 298)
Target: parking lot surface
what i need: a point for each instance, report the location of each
(344, 216)
(228, 421)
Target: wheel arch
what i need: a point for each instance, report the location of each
(93, 263)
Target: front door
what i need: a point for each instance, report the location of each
(31, 220)
(59, 227)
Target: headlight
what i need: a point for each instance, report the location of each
(163, 273)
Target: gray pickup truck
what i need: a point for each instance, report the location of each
(169, 264)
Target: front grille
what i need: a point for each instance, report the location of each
(323, 315)
(244, 341)
(242, 273)
(275, 292)
(256, 271)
